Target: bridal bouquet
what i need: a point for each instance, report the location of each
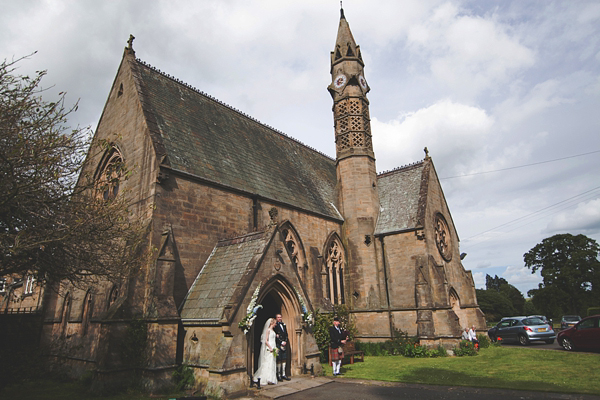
(275, 352)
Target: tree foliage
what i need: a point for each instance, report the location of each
(494, 283)
(500, 299)
(53, 222)
(494, 305)
(570, 268)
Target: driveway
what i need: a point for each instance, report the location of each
(368, 390)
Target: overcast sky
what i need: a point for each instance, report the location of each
(485, 85)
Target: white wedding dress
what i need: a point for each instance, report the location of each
(267, 365)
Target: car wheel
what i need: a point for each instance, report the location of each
(549, 341)
(523, 340)
(567, 344)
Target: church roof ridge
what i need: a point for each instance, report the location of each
(187, 85)
(401, 168)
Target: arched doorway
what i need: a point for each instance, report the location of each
(278, 297)
(271, 306)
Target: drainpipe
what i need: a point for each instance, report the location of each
(387, 289)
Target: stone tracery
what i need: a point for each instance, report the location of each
(335, 264)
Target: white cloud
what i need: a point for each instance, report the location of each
(583, 219)
(469, 54)
(540, 98)
(479, 279)
(448, 129)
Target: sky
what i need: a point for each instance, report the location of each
(504, 94)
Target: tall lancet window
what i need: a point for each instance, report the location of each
(294, 248)
(335, 264)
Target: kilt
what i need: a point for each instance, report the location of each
(336, 355)
(282, 354)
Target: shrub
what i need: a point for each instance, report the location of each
(465, 348)
(484, 341)
(402, 345)
(439, 352)
(183, 377)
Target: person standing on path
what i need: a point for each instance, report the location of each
(338, 339)
(266, 362)
(281, 339)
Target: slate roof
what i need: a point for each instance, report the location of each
(399, 195)
(206, 138)
(218, 280)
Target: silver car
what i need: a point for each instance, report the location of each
(523, 330)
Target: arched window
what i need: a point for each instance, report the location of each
(113, 295)
(294, 247)
(109, 173)
(87, 312)
(64, 315)
(335, 264)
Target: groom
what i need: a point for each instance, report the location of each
(281, 340)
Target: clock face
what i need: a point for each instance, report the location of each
(362, 81)
(339, 81)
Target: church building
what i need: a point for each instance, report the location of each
(241, 215)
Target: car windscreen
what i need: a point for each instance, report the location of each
(533, 321)
(571, 318)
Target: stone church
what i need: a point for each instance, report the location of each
(242, 215)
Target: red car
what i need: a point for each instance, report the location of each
(584, 335)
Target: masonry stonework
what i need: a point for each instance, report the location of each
(238, 214)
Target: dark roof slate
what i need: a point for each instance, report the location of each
(203, 137)
(218, 280)
(399, 195)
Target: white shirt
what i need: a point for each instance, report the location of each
(472, 335)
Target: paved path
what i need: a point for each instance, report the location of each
(295, 386)
(326, 388)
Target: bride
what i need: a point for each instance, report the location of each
(266, 361)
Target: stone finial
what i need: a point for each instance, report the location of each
(426, 152)
(342, 11)
(129, 47)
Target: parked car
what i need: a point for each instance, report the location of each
(523, 330)
(543, 318)
(569, 320)
(585, 334)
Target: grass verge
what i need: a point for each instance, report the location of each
(494, 367)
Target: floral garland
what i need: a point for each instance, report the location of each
(246, 323)
(307, 316)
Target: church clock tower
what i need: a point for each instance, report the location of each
(356, 188)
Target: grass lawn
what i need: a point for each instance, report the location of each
(494, 367)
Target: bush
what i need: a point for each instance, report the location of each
(484, 341)
(465, 348)
(401, 345)
(183, 377)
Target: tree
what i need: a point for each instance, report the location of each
(494, 283)
(514, 295)
(494, 305)
(569, 265)
(53, 222)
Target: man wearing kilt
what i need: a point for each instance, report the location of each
(281, 341)
(338, 339)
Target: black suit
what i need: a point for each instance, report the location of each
(336, 337)
(282, 336)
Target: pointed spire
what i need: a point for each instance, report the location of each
(345, 45)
